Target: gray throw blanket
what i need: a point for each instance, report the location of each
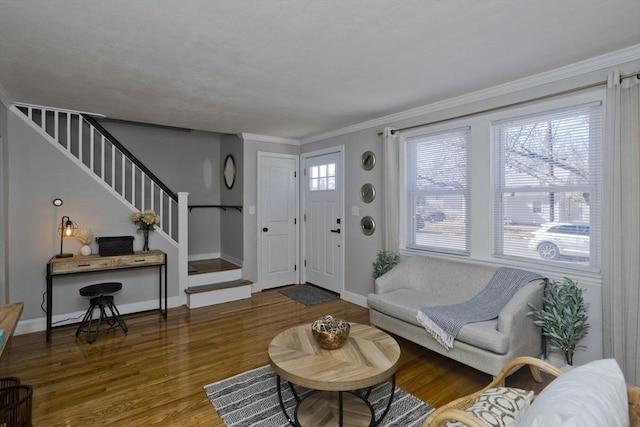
(445, 321)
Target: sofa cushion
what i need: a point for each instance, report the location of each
(499, 407)
(404, 304)
(591, 395)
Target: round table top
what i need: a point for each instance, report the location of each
(368, 357)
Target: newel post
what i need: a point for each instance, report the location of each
(183, 245)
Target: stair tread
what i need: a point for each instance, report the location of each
(217, 286)
(211, 266)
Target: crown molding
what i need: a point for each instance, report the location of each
(612, 59)
(267, 138)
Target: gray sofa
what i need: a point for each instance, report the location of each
(425, 281)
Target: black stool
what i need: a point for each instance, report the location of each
(102, 300)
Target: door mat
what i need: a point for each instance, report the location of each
(251, 399)
(308, 294)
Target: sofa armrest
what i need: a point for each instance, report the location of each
(392, 279)
(633, 397)
(455, 410)
(513, 319)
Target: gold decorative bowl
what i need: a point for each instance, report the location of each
(330, 333)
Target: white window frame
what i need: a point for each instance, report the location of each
(405, 246)
(482, 152)
(595, 187)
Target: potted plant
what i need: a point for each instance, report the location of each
(563, 317)
(385, 261)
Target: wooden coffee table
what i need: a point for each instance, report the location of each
(369, 357)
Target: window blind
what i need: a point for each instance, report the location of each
(438, 191)
(548, 186)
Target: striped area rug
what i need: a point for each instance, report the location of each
(250, 399)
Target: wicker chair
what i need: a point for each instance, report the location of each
(455, 410)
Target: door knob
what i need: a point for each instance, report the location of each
(336, 231)
(265, 229)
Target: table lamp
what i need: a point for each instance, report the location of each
(66, 228)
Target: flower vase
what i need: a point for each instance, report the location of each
(85, 250)
(145, 247)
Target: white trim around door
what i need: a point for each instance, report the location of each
(278, 252)
(305, 159)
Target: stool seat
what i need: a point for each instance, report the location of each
(100, 289)
(101, 300)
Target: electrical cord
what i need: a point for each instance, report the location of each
(58, 321)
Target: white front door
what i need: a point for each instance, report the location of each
(278, 206)
(323, 224)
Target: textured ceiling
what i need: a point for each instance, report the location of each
(288, 68)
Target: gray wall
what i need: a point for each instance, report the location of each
(37, 173)
(231, 228)
(360, 250)
(185, 161)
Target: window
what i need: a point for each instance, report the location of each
(548, 186)
(536, 206)
(322, 177)
(438, 191)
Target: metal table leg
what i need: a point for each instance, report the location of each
(295, 395)
(393, 390)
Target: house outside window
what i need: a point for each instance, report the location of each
(437, 197)
(517, 186)
(548, 186)
(322, 177)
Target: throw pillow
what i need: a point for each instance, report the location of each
(499, 407)
(591, 395)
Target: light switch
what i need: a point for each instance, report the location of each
(355, 210)
(252, 210)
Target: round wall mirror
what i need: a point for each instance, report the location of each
(367, 225)
(229, 171)
(367, 193)
(368, 160)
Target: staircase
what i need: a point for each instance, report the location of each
(91, 147)
(214, 281)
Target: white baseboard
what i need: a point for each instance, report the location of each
(233, 260)
(355, 298)
(198, 257)
(40, 324)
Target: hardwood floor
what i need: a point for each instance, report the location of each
(155, 374)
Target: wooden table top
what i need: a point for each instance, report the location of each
(368, 357)
(9, 315)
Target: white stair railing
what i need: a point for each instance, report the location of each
(93, 148)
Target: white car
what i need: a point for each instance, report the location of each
(555, 239)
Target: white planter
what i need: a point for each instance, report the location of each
(558, 360)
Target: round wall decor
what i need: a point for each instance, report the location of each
(368, 160)
(367, 225)
(229, 171)
(367, 193)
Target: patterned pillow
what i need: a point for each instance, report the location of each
(499, 407)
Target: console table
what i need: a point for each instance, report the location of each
(96, 264)
(9, 315)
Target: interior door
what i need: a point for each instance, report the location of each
(323, 223)
(278, 222)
